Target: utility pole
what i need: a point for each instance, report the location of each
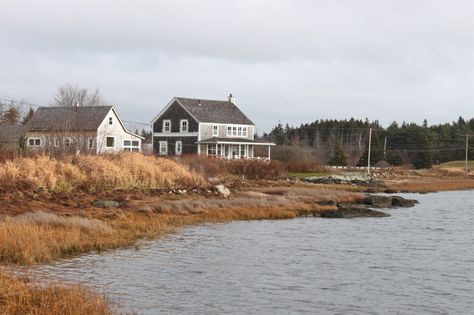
(368, 155)
(385, 147)
(467, 145)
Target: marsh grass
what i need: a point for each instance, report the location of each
(92, 173)
(18, 297)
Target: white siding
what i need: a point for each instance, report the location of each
(115, 130)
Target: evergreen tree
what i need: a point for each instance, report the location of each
(394, 158)
(338, 158)
(27, 116)
(423, 158)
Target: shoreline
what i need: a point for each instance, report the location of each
(70, 225)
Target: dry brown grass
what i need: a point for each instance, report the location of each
(90, 173)
(39, 237)
(429, 184)
(20, 298)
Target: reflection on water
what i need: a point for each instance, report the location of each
(419, 260)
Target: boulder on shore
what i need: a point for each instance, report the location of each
(379, 201)
(222, 190)
(347, 210)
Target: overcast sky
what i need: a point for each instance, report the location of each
(289, 61)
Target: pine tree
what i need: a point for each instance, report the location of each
(338, 158)
(424, 157)
(27, 116)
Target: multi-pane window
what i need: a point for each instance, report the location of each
(90, 143)
(237, 131)
(178, 148)
(163, 147)
(166, 125)
(214, 149)
(56, 142)
(34, 142)
(67, 142)
(215, 130)
(131, 145)
(183, 125)
(111, 121)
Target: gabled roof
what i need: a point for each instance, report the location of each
(212, 111)
(82, 118)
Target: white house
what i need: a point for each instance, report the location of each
(90, 129)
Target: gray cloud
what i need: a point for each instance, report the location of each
(289, 61)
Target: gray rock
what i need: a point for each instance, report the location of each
(398, 201)
(221, 189)
(378, 201)
(106, 204)
(352, 211)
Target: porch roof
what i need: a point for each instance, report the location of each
(217, 140)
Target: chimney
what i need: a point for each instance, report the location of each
(231, 98)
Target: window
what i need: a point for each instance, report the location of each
(214, 149)
(56, 142)
(215, 130)
(110, 142)
(131, 145)
(34, 142)
(237, 131)
(67, 142)
(178, 148)
(163, 148)
(90, 143)
(111, 121)
(183, 125)
(166, 125)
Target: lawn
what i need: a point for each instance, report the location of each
(458, 164)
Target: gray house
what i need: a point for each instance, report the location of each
(205, 127)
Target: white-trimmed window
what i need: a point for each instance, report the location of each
(110, 142)
(56, 142)
(67, 142)
(34, 142)
(215, 130)
(111, 121)
(237, 131)
(183, 125)
(163, 148)
(178, 147)
(131, 145)
(214, 149)
(166, 125)
(90, 143)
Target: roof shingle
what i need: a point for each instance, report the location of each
(83, 118)
(211, 111)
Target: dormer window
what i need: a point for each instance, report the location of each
(166, 125)
(111, 121)
(183, 125)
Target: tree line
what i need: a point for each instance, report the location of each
(345, 142)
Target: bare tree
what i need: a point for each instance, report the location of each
(73, 95)
(11, 116)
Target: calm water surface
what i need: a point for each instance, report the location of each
(418, 261)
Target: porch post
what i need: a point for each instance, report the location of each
(207, 149)
(269, 150)
(246, 151)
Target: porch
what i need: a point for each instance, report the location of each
(237, 148)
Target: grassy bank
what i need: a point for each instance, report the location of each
(18, 297)
(39, 237)
(90, 173)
